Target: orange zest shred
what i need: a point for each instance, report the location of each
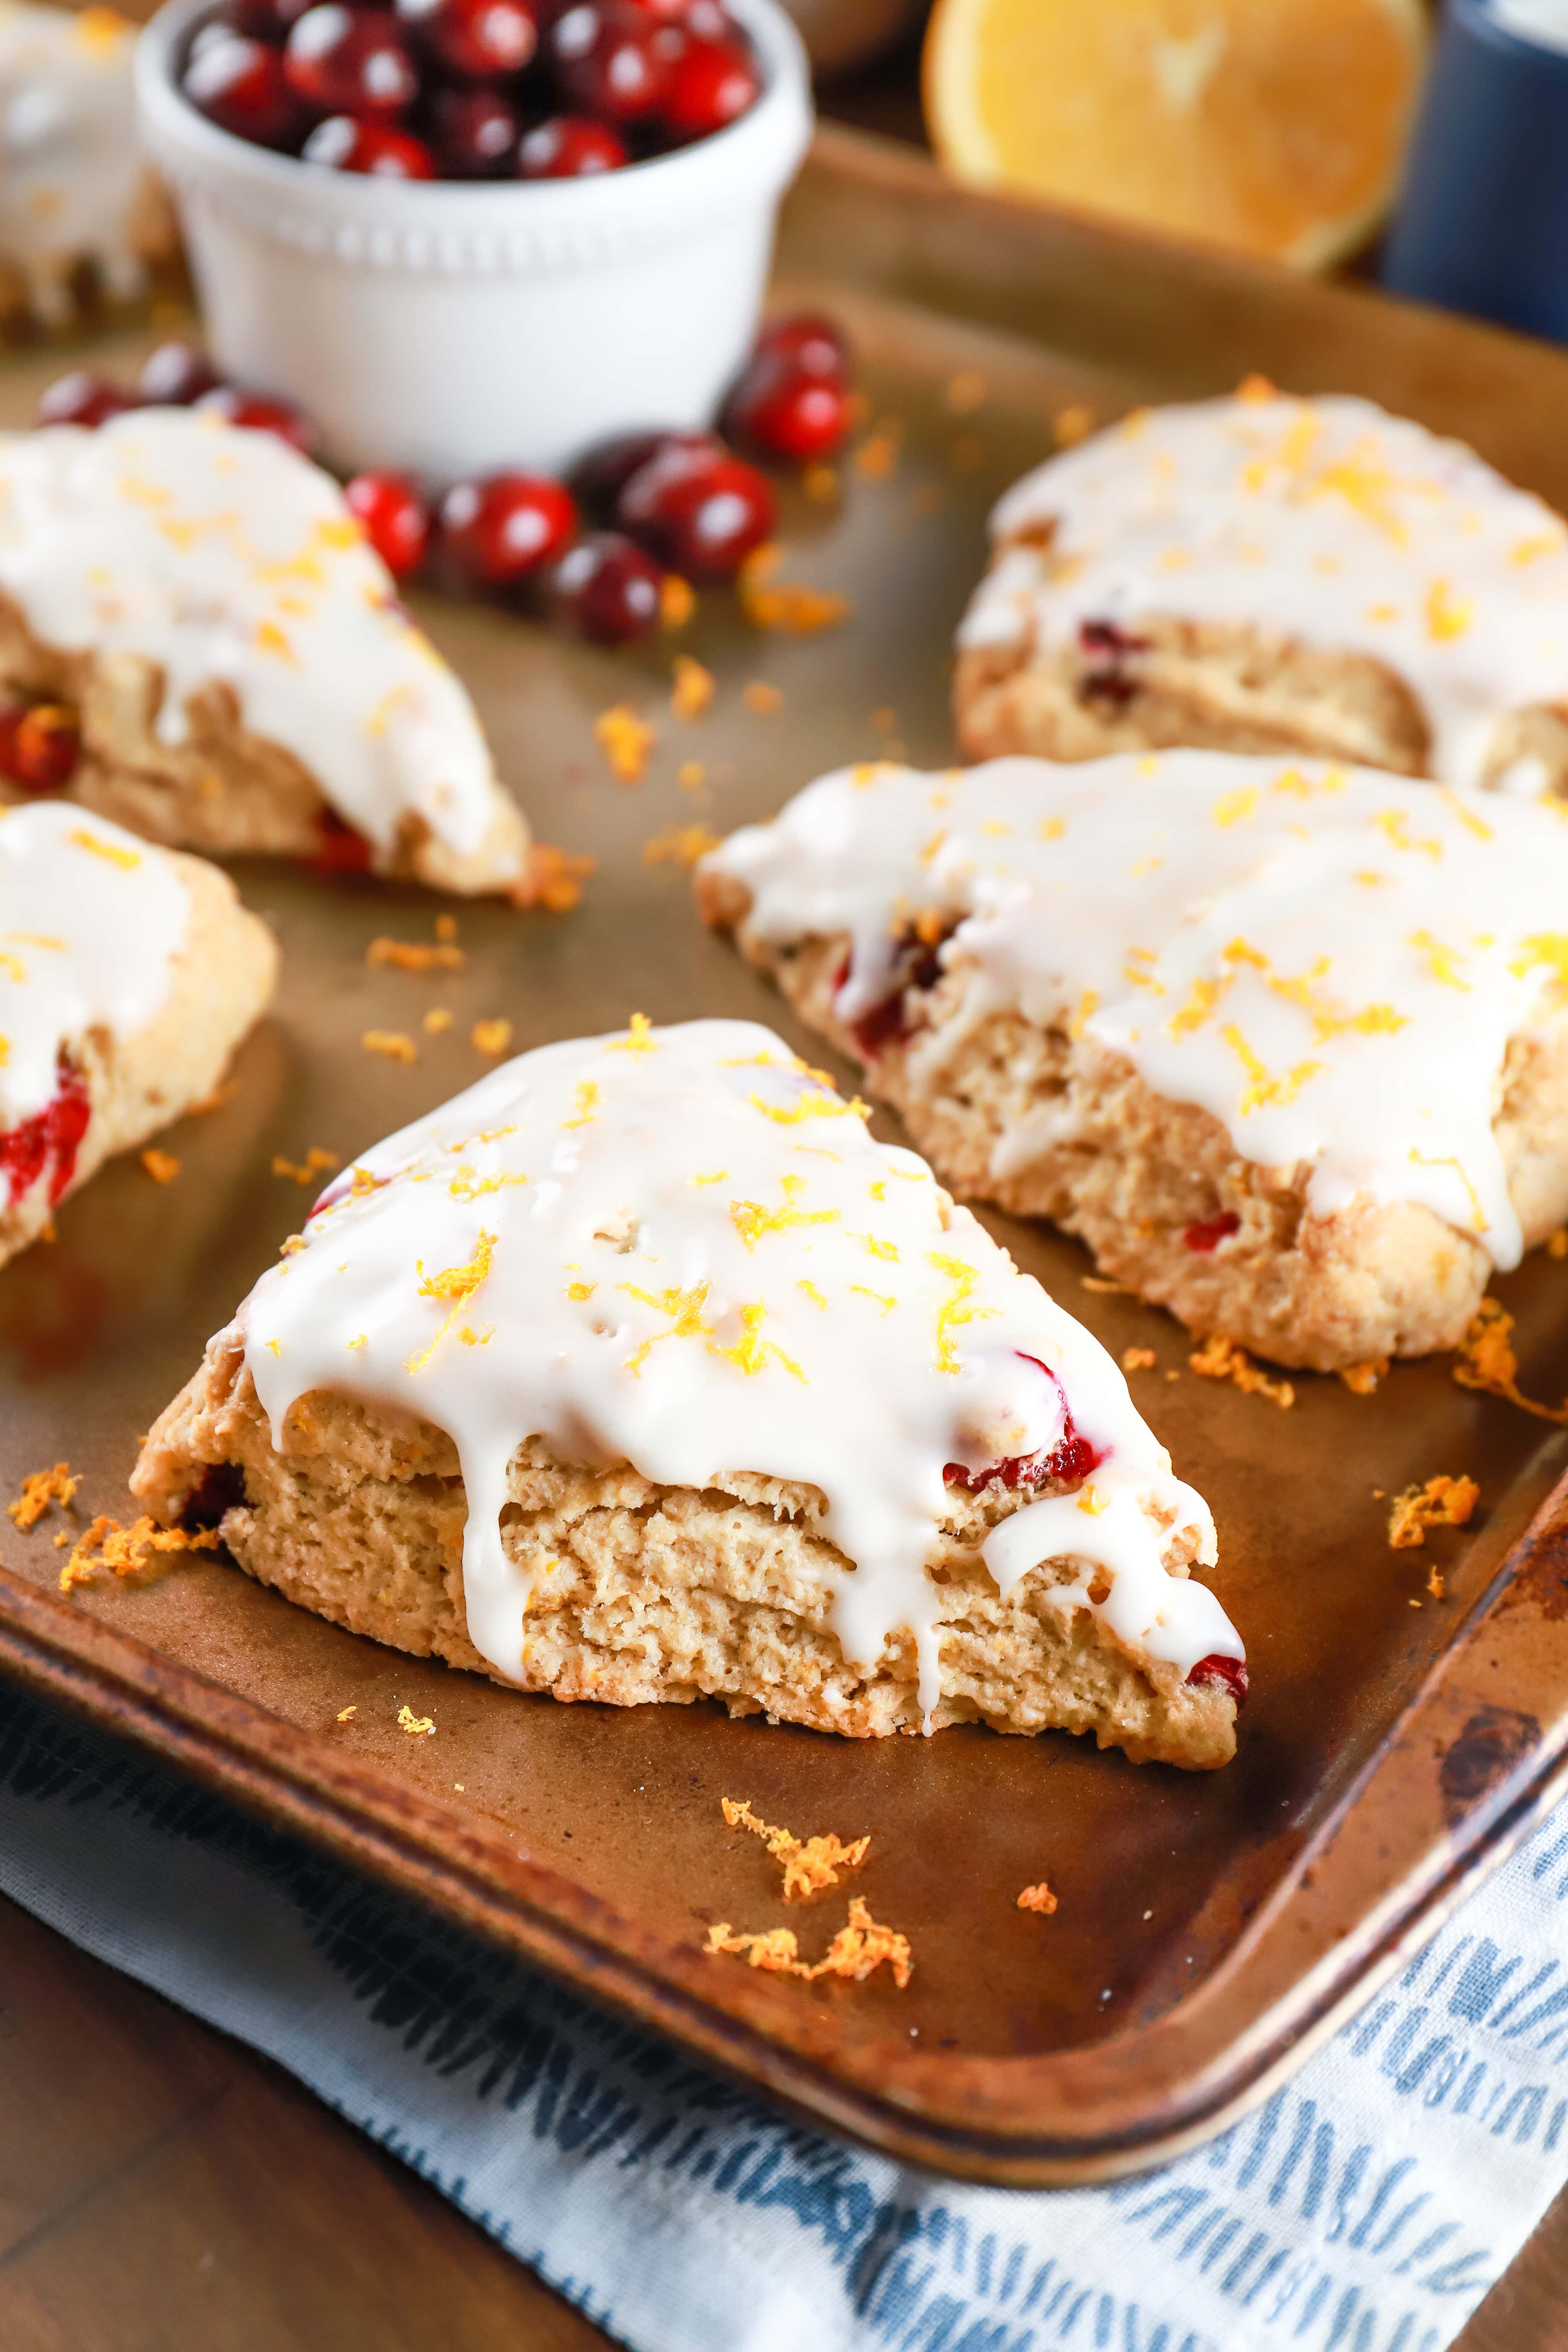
(491, 1036)
(107, 1547)
(162, 1166)
(552, 879)
(761, 698)
(458, 1282)
(345, 1713)
(1038, 1898)
(860, 1947)
(391, 1044)
(1072, 424)
(39, 1489)
(680, 844)
(1487, 1362)
(418, 1726)
(1442, 1502)
(676, 600)
(1557, 1243)
(1137, 1360)
(436, 1022)
(809, 1863)
(415, 955)
(315, 1163)
(1219, 1359)
(626, 741)
(785, 604)
(220, 1095)
(1362, 1379)
(693, 689)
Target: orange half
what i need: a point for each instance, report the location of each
(1272, 126)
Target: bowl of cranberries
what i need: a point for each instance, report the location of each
(466, 234)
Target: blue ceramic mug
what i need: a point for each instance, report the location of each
(1482, 225)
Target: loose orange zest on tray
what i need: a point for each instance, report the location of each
(552, 879)
(108, 1549)
(391, 1044)
(626, 741)
(809, 1863)
(785, 604)
(1442, 1502)
(1137, 1360)
(1038, 1898)
(860, 1947)
(1487, 1362)
(418, 1726)
(693, 689)
(39, 1489)
(1363, 1379)
(491, 1036)
(415, 955)
(680, 844)
(162, 1166)
(315, 1163)
(1219, 1359)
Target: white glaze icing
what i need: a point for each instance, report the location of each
(1331, 961)
(91, 922)
(1324, 521)
(223, 555)
(69, 162)
(688, 1255)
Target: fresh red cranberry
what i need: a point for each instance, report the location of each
(474, 132)
(567, 146)
(1229, 1672)
(780, 406)
(393, 516)
(611, 59)
(701, 514)
(813, 342)
(1108, 650)
(377, 149)
(174, 376)
(598, 479)
(82, 398)
(266, 20)
(351, 61)
(260, 413)
(481, 40)
(40, 745)
(711, 83)
(607, 590)
(500, 530)
(241, 85)
(339, 849)
(1209, 1232)
(47, 1144)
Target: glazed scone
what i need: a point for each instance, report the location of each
(1263, 573)
(1287, 1044)
(127, 976)
(640, 1371)
(245, 677)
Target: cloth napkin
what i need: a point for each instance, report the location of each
(1365, 2208)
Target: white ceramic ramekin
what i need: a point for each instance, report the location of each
(450, 328)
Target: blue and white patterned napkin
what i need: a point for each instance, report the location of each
(1366, 2208)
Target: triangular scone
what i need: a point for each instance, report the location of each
(1265, 573)
(244, 676)
(640, 1371)
(1286, 1044)
(128, 975)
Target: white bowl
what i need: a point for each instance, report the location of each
(452, 326)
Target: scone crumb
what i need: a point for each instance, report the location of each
(162, 1166)
(316, 1162)
(346, 1714)
(552, 879)
(1362, 1379)
(693, 689)
(1219, 1359)
(1487, 1362)
(418, 1726)
(39, 1489)
(125, 1552)
(1038, 1898)
(1442, 1502)
(414, 955)
(437, 1021)
(491, 1036)
(809, 1864)
(1137, 1360)
(391, 1044)
(626, 741)
(860, 1948)
(680, 844)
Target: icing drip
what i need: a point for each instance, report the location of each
(67, 135)
(91, 922)
(225, 558)
(1332, 962)
(1324, 521)
(678, 1249)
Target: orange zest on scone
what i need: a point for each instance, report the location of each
(1285, 1043)
(640, 1371)
(128, 975)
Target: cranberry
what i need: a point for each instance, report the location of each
(598, 479)
(1107, 650)
(700, 513)
(711, 84)
(918, 966)
(611, 59)
(39, 746)
(219, 1490)
(82, 398)
(342, 144)
(607, 590)
(1070, 1459)
(474, 132)
(393, 516)
(782, 407)
(259, 414)
(241, 85)
(340, 850)
(351, 61)
(1229, 1672)
(500, 530)
(814, 343)
(266, 20)
(567, 146)
(1209, 1232)
(478, 39)
(175, 375)
(49, 1140)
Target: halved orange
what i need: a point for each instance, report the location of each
(1273, 126)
